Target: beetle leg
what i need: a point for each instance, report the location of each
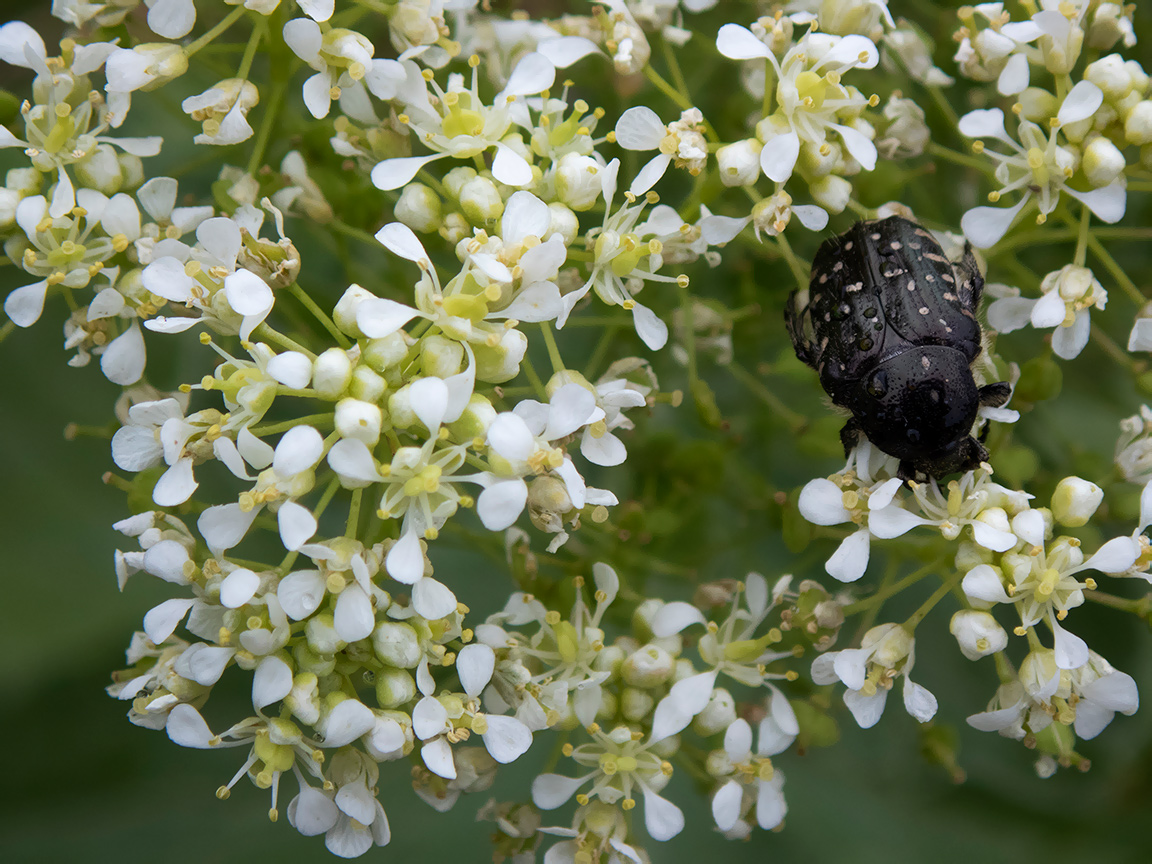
(995, 395)
(850, 435)
(906, 471)
(969, 282)
(794, 321)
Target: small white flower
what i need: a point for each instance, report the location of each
(1068, 295)
(755, 778)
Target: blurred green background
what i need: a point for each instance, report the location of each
(85, 785)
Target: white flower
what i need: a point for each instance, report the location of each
(172, 19)
(811, 101)
(223, 110)
(885, 653)
(754, 778)
(826, 502)
(978, 633)
(1038, 165)
(681, 143)
(460, 125)
(1068, 295)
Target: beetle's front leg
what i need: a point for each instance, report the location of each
(995, 395)
(850, 435)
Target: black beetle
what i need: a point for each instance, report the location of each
(894, 335)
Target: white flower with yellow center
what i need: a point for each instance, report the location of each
(1068, 294)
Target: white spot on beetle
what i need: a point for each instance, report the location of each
(924, 361)
(876, 236)
(895, 245)
(928, 277)
(911, 285)
(854, 287)
(949, 296)
(932, 256)
(838, 266)
(923, 310)
(823, 278)
(848, 246)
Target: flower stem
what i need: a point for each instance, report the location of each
(226, 22)
(553, 348)
(266, 332)
(942, 152)
(6, 330)
(258, 34)
(796, 422)
(890, 591)
(916, 617)
(320, 315)
(266, 124)
(284, 426)
(354, 513)
(1082, 237)
(798, 271)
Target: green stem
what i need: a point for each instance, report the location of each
(942, 152)
(1116, 271)
(266, 124)
(553, 349)
(667, 89)
(1139, 606)
(6, 330)
(285, 425)
(258, 34)
(267, 333)
(534, 379)
(944, 105)
(354, 513)
(1082, 237)
(798, 271)
(1113, 350)
(320, 315)
(226, 22)
(356, 233)
(916, 617)
(892, 590)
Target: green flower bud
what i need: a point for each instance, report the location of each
(344, 314)
(1075, 501)
(100, 170)
(397, 644)
(739, 163)
(441, 357)
(635, 705)
(831, 192)
(419, 208)
(650, 666)
(1103, 162)
(1138, 123)
(718, 714)
(385, 352)
(1037, 104)
(366, 385)
(475, 419)
(500, 363)
(481, 202)
(394, 687)
(578, 181)
(358, 420)
(564, 222)
(320, 631)
(309, 661)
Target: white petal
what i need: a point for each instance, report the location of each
(852, 50)
(492, 267)
(984, 123)
(176, 485)
(687, 698)
(312, 812)
(739, 43)
(717, 230)
(172, 19)
(1108, 203)
(726, 805)
(166, 560)
(1115, 691)
(771, 808)
(429, 399)
(297, 525)
(507, 739)
(1140, 339)
(663, 819)
(893, 521)
(1014, 77)
(652, 331)
(850, 559)
(851, 665)
(187, 728)
(738, 741)
(984, 226)
(650, 174)
(247, 293)
(352, 460)
(238, 588)
(859, 146)
(161, 621)
(317, 10)
(501, 504)
(778, 156)
(1082, 102)
(317, 93)
(640, 128)
(394, 173)
(64, 196)
(1010, 313)
(982, 584)
(510, 168)
(354, 617)
(918, 702)
(1028, 525)
(550, 791)
(566, 50)
(1091, 720)
(1068, 342)
(225, 525)
(347, 722)
(606, 582)
(204, 663)
(822, 503)
(400, 240)
(299, 449)
(405, 560)
(866, 710)
(437, 756)
(673, 617)
(356, 801)
(432, 599)
(474, 665)
(537, 302)
(25, 305)
(533, 74)
(509, 436)
(1049, 310)
(124, 359)
(300, 593)
(1115, 556)
(13, 37)
(291, 368)
(992, 538)
(1071, 651)
(811, 217)
(271, 682)
(525, 215)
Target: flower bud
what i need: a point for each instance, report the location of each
(564, 222)
(100, 170)
(331, 373)
(474, 421)
(890, 644)
(1138, 123)
(222, 110)
(397, 644)
(9, 198)
(718, 714)
(1111, 22)
(1037, 104)
(495, 365)
(650, 666)
(1075, 501)
(359, 421)
(344, 314)
(1102, 162)
(394, 687)
(304, 699)
(385, 352)
(400, 408)
(308, 660)
(1037, 672)
(739, 162)
(636, 705)
(578, 181)
(831, 192)
(455, 228)
(26, 181)
(132, 171)
(455, 179)
(907, 133)
(548, 503)
(418, 208)
(481, 202)
(978, 633)
(367, 385)
(440, 357)
(1110, 75)
(320, 631)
